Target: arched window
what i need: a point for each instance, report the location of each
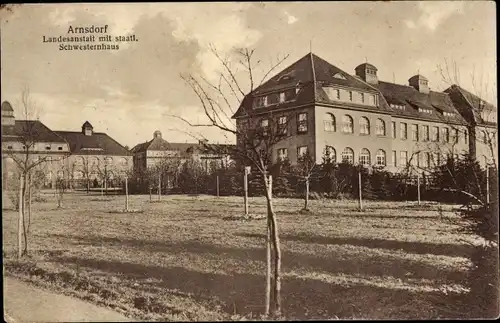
(380, 127)
(48, 176)
(79, 161)
(380, 158)
(348, 155)
(60, 174)
(347, 124)
(484, 137)
(94, 175)
(77, 174)
(364, 157)
(111, 175)
(331, 154)
(94, 161)
(329, 122)
(364, 126)
(108, 160)
(124, 161)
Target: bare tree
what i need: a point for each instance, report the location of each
(306, 170)
(256, 134)
(29, 137)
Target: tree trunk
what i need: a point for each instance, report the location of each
(150, 195)
(306, 200)
(277, 249)
(25, 233)
(29, 205)
(88, 186)
(268, 266)
(20, 219)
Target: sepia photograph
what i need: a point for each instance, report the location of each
(249, 161)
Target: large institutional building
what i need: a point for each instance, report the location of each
(360, 119)
(79, 157)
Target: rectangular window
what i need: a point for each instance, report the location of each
(416, 159)
(260, 102)
(60, 148)
(394, 158)
(338, 94)
(302, 123)
(414, 132)
(265, 127)
(466, 136)
(403, 158)
(362, 95)
(282, 154)
(456, 135)
(426, 133)
(435, 134)
(9, 147)
(47, 147)
(273, 98)
(446, 134)
(301, 151)
(427, 159)
(436, 159)
(393, 129)
(403, 129)
(350, 95)
(282, 124)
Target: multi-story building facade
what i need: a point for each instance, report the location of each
(29, 143)
(78, 157)
(357, 118)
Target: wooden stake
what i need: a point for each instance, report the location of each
(126, 194)
(217, 185)
(360, 192)
(487, 184)
(418, 188)
(159, 187)
(245, 189)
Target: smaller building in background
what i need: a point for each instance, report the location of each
(96, 158)
(156, 151)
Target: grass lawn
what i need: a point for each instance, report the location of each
(179, 259)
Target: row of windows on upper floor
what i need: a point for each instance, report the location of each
(47, 147)
(330, 125)
(334, 94)
(380, 129)
(419, 159)
(79, 161)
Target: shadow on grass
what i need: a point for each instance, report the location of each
(338, 262)
(407, 246)
(244, 293)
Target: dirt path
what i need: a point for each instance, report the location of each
(25, 303)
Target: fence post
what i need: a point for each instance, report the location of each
(217, 185)
(245, 189)
(418, 187)
(159, 187)
(360, 192)
(487, 184)
(126, 193)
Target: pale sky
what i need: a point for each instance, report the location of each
(127, 93)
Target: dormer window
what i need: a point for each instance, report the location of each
(397, 106)
(448, 114)
(427, 111)
(339, 76)
(285, 78)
